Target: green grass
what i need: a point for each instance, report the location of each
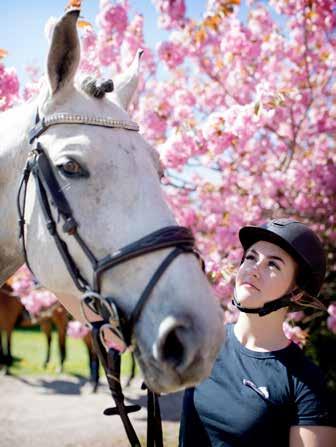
(29, 349)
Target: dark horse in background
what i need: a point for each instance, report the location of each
(13, 313)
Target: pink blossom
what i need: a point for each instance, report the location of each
(260, 21)
(170, 53)
(76, 329)
(332, 310)
(177, 150)
(89, 67)
(155, 124)
(113, 18)
(9, 86)
(295, 334)
(22, 282)
(188, 217)
(183, 113)
(30, 90)
(215, 134)
(33, 72)
(89, 39)
(22, 286)
(223, 290)
(134, 39)
(107, 50)
(115, 343)
(331, 323)
(37, 300)
(231, 313)
(331, 320)
(296, 316)
(185, 97)
(171, 12)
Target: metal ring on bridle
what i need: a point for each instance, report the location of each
(86, 301)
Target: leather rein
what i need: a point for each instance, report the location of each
(50, 195)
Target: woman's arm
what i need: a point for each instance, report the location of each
(312, 436)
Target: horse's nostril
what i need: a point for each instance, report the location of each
(172, 345)
(172, 350)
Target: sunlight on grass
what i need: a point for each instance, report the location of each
(29, 349)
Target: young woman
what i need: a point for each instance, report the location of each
(262, 390)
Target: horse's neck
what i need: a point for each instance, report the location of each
(14, 148)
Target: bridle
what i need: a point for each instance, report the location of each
(50, 194)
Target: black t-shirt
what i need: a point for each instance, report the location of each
(253, 398)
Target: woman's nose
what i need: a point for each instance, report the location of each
(255, 270)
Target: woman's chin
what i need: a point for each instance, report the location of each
(246, 294)
(248, 300)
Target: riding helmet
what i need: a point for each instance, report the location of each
(297, 240)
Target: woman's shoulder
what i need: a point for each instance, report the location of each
(312, 399)
(309, 390)
(302, 367)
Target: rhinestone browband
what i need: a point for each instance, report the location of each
(67, 118)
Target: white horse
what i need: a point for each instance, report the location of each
(110, 178)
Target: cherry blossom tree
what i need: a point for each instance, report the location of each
(241, 106)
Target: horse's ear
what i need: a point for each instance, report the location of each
(64, 52)
(126, 84)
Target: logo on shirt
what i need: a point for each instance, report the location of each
(261, 390)
(264, 391)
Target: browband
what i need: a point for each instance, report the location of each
(68, 118)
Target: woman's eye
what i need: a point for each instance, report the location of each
(273, 264)
(72, 168)
(250, 257)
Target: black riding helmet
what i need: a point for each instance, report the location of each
(302, 244)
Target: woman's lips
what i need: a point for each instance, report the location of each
(248, 284)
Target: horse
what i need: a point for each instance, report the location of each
(11, 310)
(12, 314)
(94, 226)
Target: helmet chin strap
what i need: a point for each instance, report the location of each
(267, 308)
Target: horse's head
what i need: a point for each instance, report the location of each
(110, 179)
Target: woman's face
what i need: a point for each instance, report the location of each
(267, 273)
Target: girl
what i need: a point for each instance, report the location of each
(262, 390)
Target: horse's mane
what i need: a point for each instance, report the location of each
(14, 126)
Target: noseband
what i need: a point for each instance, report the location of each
(50, 194)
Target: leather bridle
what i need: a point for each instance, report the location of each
(50, 195)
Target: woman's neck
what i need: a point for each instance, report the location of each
(261, 333)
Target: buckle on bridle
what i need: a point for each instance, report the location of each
(89, 299)
(110, 332)
(70, 226)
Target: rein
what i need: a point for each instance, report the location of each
(180, 238)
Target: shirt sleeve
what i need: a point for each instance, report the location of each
(312, 401)
(192, 431)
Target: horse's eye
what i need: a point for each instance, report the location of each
(71, 168)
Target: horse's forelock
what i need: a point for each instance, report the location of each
(96, 87)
